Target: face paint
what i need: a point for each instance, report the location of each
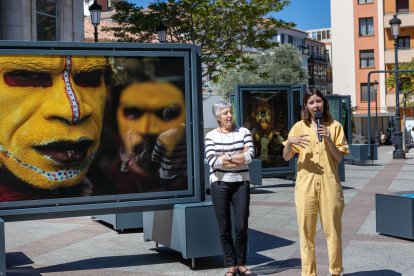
(149, 108)
(52, 110)
(74, 104)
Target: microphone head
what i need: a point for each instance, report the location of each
(318, 115)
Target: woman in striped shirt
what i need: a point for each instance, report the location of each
(229, 150)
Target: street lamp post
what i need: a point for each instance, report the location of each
(162, 33)
(377, 133)
(95, 9)
(398, 152)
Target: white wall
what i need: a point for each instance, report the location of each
(18, 20)
(343, 58)
(381, 50)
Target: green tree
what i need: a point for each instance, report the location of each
(221, 28)
(406, 81)
(282, 64)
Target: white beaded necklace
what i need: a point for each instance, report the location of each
(233, 152)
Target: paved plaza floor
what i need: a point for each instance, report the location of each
(82, 246)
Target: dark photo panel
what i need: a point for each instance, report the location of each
(266, 114)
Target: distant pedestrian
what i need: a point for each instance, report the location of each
(412, 134)
(382, 137)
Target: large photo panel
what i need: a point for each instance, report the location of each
(83, 127)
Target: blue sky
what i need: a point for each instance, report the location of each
(307, 14)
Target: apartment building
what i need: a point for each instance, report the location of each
(295, 37)
(41, 20)
(405, 12)
(323, 35)
(315, 57)
(362, 42)
(318, 63)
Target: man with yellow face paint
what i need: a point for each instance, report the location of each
(52, 111)
(141, 119)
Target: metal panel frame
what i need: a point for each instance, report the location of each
(95, 205)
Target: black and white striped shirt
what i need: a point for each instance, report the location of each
(218, 143)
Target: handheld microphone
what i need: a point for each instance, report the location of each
(318, 117)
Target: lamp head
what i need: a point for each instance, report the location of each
(95, 9)
(162, 33)
(395, 23)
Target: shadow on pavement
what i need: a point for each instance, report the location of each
(347, 188)
(259, 241)
(17, 259)
(28, 270)
(382, 272)
(285, 185)
(260, 191)
(102, 263)
(278, 266)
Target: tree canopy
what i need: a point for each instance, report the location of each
(221, 28)
(282, 64)
(406, 81)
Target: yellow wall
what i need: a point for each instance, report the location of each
(390, 6)
(405, 31)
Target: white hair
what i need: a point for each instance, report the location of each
(218, 107)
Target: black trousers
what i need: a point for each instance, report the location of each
(237, 195)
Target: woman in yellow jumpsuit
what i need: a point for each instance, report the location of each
(318, 189)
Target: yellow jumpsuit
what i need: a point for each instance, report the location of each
(318, 190)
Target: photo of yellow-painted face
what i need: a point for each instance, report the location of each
(52, 111)
(148, 109)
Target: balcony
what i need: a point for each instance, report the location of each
(407, 19)
(319, 57)
(404, 55)
(390, 100)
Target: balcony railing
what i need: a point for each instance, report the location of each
(407, 19)
(319, 57)
(404, 55)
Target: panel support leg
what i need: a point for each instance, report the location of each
(2, 248)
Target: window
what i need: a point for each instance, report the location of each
(282, 38)
(404, 42)
(46, 20)
(366, 58)
(279, 38)
(365, 1)
(364, 92)
(402, 6)
(366, 26)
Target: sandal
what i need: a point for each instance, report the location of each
(246, 272)
(231, 273)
